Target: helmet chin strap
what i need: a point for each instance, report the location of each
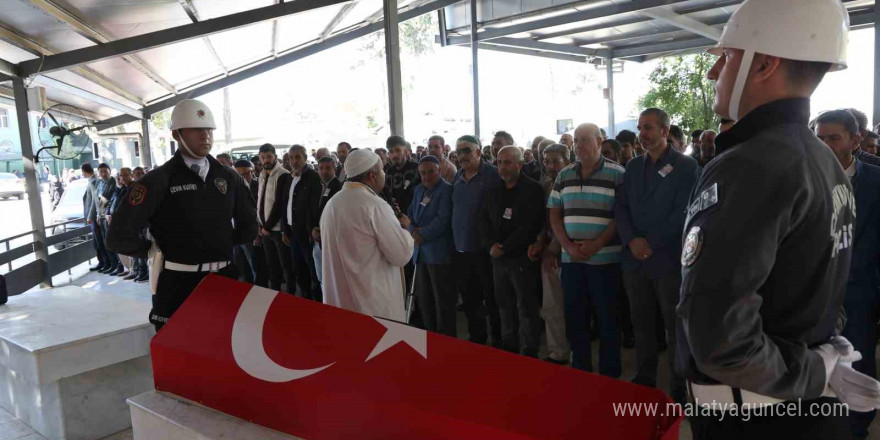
(740, 84)
(185, 147)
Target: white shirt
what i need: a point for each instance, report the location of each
(851, 169)
(363, 251)
(203, 164)
(290, 199)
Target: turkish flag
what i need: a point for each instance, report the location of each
(320, 372)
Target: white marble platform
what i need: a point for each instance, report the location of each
(162, 416)
(69, 357)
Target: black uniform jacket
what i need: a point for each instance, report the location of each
(765, 274)
(190, 219)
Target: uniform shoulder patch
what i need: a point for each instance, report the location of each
(221, 185)
(693, 244)
(137, 195)
(706, 199)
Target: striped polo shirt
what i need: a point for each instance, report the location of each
(588, 206)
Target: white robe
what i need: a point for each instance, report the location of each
(363, 249)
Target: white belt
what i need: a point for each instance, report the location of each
(707, 395)
(203, 267)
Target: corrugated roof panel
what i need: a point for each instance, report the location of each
(121, 72)
(208, 9)
(297, 29)
(179, 62)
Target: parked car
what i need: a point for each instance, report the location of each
(11, 186)
(70, 207)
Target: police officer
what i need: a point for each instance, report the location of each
(768, 238)
(196, 210)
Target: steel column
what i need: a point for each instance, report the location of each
(609, 70)
(475, 71)
(392, 67)
(876, 63)
(146, 152)
(32, 186)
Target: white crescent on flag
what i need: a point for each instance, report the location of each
(247, 340)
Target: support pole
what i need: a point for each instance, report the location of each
(32, 186)
(146, 152)
(475, 71)
(609, 69)
(392, 67)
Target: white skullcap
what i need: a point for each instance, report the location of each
(360, 161)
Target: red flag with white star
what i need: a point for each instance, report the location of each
(320, 372)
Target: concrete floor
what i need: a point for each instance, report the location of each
(13, 429)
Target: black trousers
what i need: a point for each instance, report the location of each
(261, 268)
(112, 258)
(436, 297)
(279, 262)
(173, 289)
(517, 298)
(304, 268)
(802, 427)
(474, 271)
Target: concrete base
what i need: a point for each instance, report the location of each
(69, 357)
(161, 416)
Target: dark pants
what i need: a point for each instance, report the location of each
(645, 294)
(243, 257)
(517, 298)
(112, 258)
(261, 268)
(474, 274)
(624, 317)
(304, 268)
(804, 427)
(139, 267)
(278, 260)
(860, 331)
(98, 243)
(586, 287)
(436, 297)
(173, 288)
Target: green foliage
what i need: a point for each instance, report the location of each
(416, 39)
(162, 120)
(680, 87)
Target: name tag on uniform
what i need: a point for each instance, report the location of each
(665, 170)
(508, 213)
(425, 201)
(187, 187)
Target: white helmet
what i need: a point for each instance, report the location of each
(801, 30)
(192, 113)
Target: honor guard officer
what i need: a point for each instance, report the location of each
(196, 210)
(768, 238)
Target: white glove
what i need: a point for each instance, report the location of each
(860, 392)
(846, 349)
(830, 356)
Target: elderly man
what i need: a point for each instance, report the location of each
(549, 250)
(436, 148)
(676, 136)
(582, 216)
(330, 185)
(321, 152)
(225, 159)
(301, 198)
(567, 139)
(243, 254)
(473, 267)
(650, 214)
(363, 244)
(431, 226)
(511, 219)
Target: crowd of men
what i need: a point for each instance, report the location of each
(722, 255)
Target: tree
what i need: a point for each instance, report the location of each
(680, 87)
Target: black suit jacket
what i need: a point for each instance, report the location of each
(306, 198)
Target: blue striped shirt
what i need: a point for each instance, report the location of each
(588, 206)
